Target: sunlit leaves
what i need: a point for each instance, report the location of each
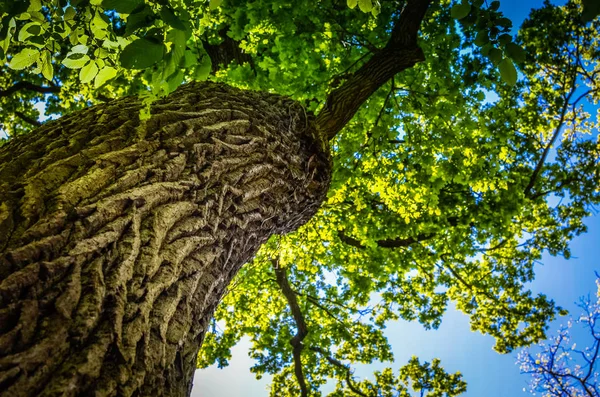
(365, 5)
(88, 72)
(214, 4)
(76, 60)
(105, 74)
(45, 65)
(25, 58)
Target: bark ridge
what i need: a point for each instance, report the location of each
(118, 237)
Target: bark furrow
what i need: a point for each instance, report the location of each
(119, 237)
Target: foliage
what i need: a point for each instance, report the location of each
(443, 182)
(561, 369)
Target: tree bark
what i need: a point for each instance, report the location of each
(119, 237)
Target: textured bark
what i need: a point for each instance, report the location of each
(119, 237)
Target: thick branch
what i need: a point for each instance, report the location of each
(25, 85)
(400, 53)
(301, 327)
(227, 51)
(386, 243)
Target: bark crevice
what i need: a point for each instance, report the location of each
(119, 237)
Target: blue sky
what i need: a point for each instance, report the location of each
(486, 372)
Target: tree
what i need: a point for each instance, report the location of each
(123, 225)
(561, 369)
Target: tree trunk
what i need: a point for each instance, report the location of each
(119, 237)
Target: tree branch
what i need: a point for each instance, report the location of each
(226, 52)
(26, 85)
(386, 243)
(400, 53)
(27, 119)
(301, 327)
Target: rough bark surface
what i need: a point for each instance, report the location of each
(119, 237)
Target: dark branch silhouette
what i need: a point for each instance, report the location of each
(27, 86)
(386, 243)
(28, 119)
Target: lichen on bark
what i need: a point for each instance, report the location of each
(118, 237)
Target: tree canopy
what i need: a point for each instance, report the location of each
(449, 183)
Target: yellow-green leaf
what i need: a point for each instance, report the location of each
(69, 14)
(28, 30)
(25, 58)
(46, 66)
(214, 4)
(105, 74)
(34, 5)
(76, 63)
(352, 3)
(365, 5)
(88, 72)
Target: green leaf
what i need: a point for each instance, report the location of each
(25, 58)
(365, 5)
(485, 50)
(76, 62)
(46, 65)
(459, 11)
(515, 52)
(88, 72)
(189, 59)
(508, 71)
(105, 74)
(214, 4)
(69, 14)
(141, 54)
(352, 3)
(28, 30)
(178, 38)
(504, 22)
(141, 19)
(504, 39)
(203, 70)
(34, 5)
(79, 49)
(171, 19)
(122, 6)
(482, 38)
(175, 80)
(495, 55)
